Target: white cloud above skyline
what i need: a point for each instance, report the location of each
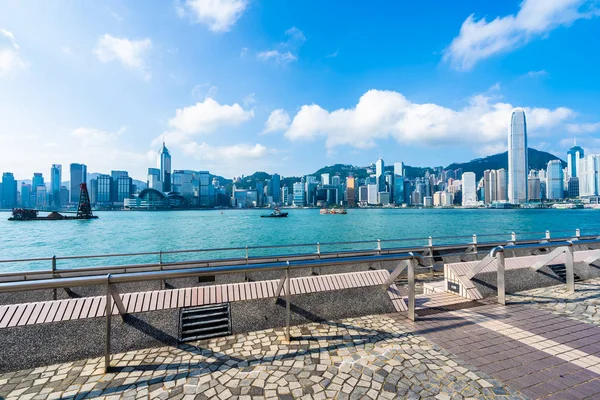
(279, 120)
(479, 39)
(130, 53)
(387, 114)
(283, 53)
(10, 57)
(584, 128)
(218, 15)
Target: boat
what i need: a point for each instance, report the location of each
(84, 211)
(327, 211)
(275, 214)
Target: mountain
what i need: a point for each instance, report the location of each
(537, 160)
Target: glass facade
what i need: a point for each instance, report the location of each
(574, 154)
(55, 181)
(517, 158)
(164, 164)
(9, 190)
(154, 181)
(298, 194)
(555, 187)
(469, 189)
(78, 176)
(104, 189)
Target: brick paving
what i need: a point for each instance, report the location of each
(372, 357)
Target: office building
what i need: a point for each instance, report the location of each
(9, 190)
(276, 188)
(379, 175)
(114, 192)
(153, 181)
(469, 189)
(501, 184)
(383, 198)
(427, 201)
(490, 186)
(517, 158)
(350, 191)
(363, 194)
(573, 188)
(589, 175)
(41, 197)
(298, 190)
(206, 190)
(124, 187)
(534, 190)
(325, 179)
(164, 165)
(78, 174)
(555, 181)
(399, 183)
(55, 183)
(574, 154)
(37, 180)
(372, 194)
(26, 195)
(104, 189)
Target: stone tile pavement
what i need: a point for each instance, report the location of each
(374, 357)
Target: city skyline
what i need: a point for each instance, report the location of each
(271, 88)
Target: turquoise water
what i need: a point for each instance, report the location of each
(128, 232)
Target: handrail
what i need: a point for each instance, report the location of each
(223, 249)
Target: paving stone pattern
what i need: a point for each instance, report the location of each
(373, 357)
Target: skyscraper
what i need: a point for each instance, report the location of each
(517, 157)
(398, 183)
(38, 180)
(379, 168)
(78, 176)
(9, 190)
(555, 188)
(574, 154)
(55, 180)
(501, 184)
(469, 189)
(350, 191)
(589, 175)
(325, 179)
(154, 181)
(164, 164)
(276, 188)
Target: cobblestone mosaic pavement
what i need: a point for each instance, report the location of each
(583, 305)
(371, 357)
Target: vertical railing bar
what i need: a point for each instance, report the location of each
(569, 253)
(287, 304)
(108, 325)
(54, 276)
(411, 289)
(501, 284)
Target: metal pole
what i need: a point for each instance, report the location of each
(577, 234)
(500, 283)
(318, 250)
(513, 238)
(53, 276)
(287, 304)
(570, 270)
(160, 265)
(431, 255)
(108, 325)
(475, 245)
(547, 235)
(411, 289)
(379, 246)
(245, 273)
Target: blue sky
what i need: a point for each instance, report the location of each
(236, 86)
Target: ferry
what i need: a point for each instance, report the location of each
(275, 214)
(327, 211)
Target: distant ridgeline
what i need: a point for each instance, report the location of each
(537, 160)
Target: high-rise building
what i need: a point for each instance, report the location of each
(372, 194)
(41, 197)
(490, 185)
(78, 176)
(9, 190)
(298, 189)
(589, 175)
(555, 188)
(501, 184)
(363, 194)
(379, 175)
(205, 190)
(114, 192)
(37, 180)
(153, 180)
(25, 195)
(573, 187)
(517, 157)
(574, 154)
(276, 188)
(124, 187)
(55, 182)
(336, 180)
(350, 191)
(104, 183)
(398, 183)
(534, 190)
(469, 189)
(164, 164)
(325, 179)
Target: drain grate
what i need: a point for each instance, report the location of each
(561, 271)
(205, 322)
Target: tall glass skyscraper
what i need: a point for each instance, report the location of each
(398, 183)
(574, 154)
(555, 187)
(379, 168)
(469, 189)
(9, 190)
(55, 180)
(517, 158)
(276, 188)
(164, 164)
(78, 176)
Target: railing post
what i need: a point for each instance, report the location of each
(245, 273)
(108, 325)
(287, 304)
(411, 289)
(431, 255)
(513, 238)
(569, 268)
(500, 278)
(53, 276)
(379, 246)
(577, 234)
(160, 265)
(318, 250)
(475, 244)
(547, 235)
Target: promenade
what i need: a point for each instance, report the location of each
(542, 344)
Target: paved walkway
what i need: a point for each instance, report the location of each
(545, 344)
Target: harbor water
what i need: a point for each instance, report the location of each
(120, 232)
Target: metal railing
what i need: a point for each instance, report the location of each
(348, 248)
(112, 293)
(566, 247)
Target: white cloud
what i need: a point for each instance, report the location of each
(96, 137)
(284, 51)
(249, 100)
(280, 58)
(10, 58)
(332, 55)
(218, 15)
(204, 90)
(207, 116)
(387, 114)
(536, 74)
(130, 53)
(279, 120)
(480, 39)
(583, 128)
